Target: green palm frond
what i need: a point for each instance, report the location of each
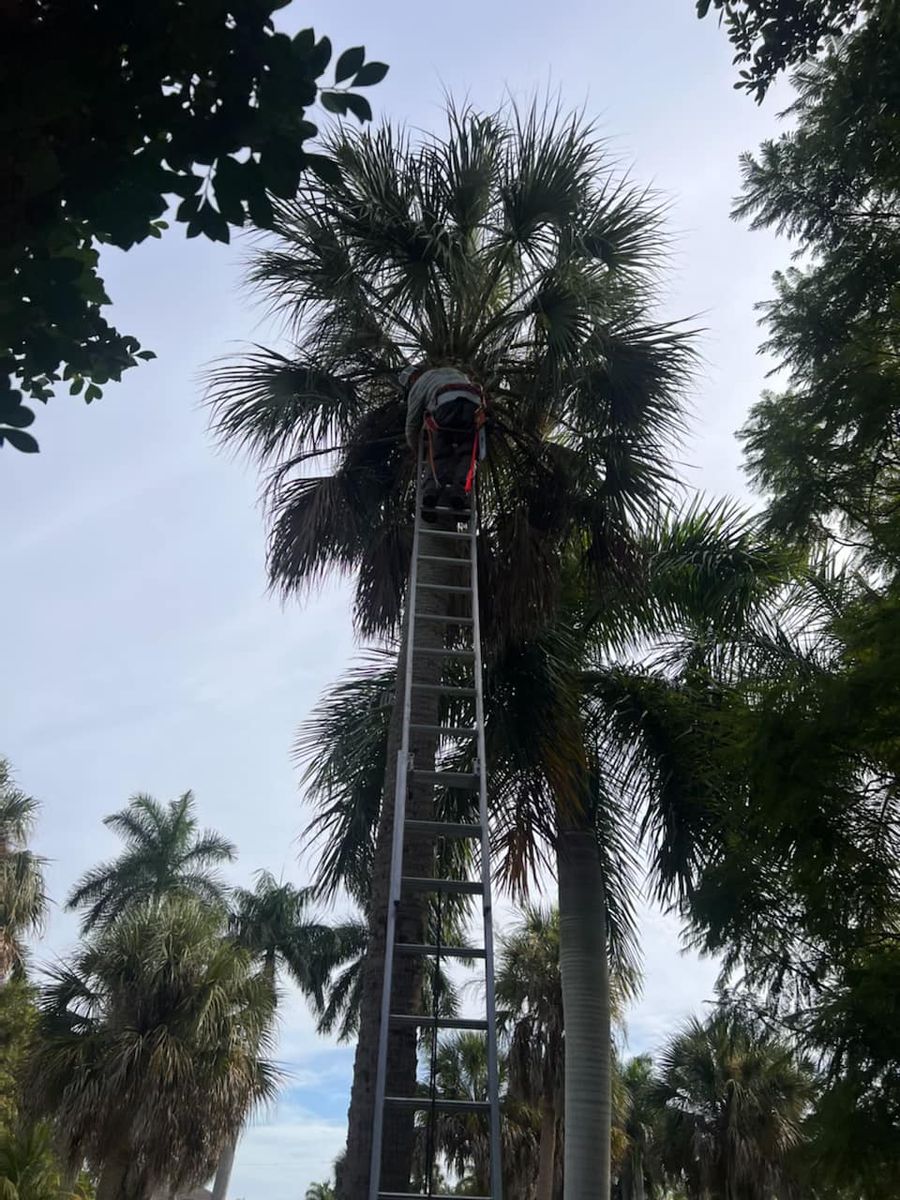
(153, 1043)
(510, 246)
(23, 899)
(165, 853)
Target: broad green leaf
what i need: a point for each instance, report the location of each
(372, 72)
(334, 102)
(349, 63)
(22, 441)
(359, 106)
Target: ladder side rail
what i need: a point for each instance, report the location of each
(400, 787)
(490, 999)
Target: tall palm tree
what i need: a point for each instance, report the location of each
(150, 1054)
(734, 1098)
(640, 1125)
(23, 902)
(165, 854)
(637, 735)
(508, 248)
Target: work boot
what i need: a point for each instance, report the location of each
(456, 497)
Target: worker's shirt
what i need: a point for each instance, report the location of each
(431, 390)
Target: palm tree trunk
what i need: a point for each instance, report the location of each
(637, 1176)
(111, 1185)
(584, 968)
(546, 1150)
(223, 1171)
(399, 1134)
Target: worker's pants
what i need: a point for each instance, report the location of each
(451, 447)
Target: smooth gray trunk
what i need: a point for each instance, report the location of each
(223, 1171)
(584, 968)
(546, 1151)
(398, 1138)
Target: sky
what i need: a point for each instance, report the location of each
(141, 651)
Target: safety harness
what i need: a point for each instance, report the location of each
(432, 426)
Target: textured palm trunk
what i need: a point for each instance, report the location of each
(112, 1184)
(546, 1150)
(223, 1171)
(584, 968)
(398, 1135)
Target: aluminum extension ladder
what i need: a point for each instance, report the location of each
(446, 548)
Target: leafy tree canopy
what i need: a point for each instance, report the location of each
(108, 111)
(769, 35)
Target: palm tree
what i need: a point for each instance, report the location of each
(164, 855)
(149, 1055)
(530, 1007)
(23, 902)
(510, 249)
(734, 1098)
(273, 924)
(640, 1126)
(635, 736)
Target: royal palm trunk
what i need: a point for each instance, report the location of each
(584, 967)
(223, 1171)
(398, 1137)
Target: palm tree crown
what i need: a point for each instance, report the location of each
(164, 855)
(149, 1058)
(734, 1097)
(510, 249)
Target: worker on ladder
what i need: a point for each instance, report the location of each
(451, 409)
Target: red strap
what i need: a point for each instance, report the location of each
(470, 478)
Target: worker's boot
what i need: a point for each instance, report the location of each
(456, 497)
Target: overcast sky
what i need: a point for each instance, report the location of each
(141, 652)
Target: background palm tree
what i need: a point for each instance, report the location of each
(23, 902)
(511, 249)
(319, 1191)
(530, 1009)
(149, 1055)
(640, 1173)
(734, 1098)
(164, 855)
(274, 923)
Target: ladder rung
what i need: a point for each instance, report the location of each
(456, 887)
(451, 533)
(422, 1103)
(444, 587)
(444, 652)
(435, 951)
(422, 1196)
(425, 1022)
(452, 829)
(442, 558)
(457, 512)
(444, 618)
(450, 779)
(448, 730)
(444, 689)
